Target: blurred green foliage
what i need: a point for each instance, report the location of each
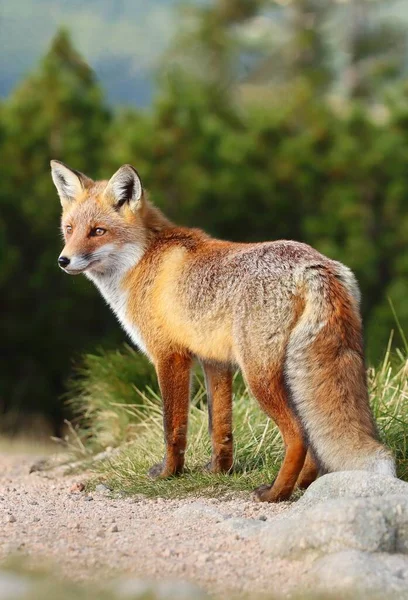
(284, 163)
(45, 319)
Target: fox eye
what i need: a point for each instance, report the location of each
(98, 231)
(68, 229)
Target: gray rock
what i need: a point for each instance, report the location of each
(376, 575)
(101, 488)
(13, 586)
(351, 484)
(163, 590)
(331, 526)
(41, 464)
(351, 510)
(397, 563)
(244, 528)
(395, 511)
(353, 526)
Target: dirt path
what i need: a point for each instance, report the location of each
(89, 536)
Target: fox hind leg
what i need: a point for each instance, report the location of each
(309, 472)
(270, 392)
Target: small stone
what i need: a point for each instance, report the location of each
(77, 487)
(197, 511)
(114, 529)
(101, 488)
(39, 465)
(88, 498)
(100, 533)
(262, 518)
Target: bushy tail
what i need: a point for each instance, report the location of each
(325, 374)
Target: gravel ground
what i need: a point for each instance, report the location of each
(44, 516)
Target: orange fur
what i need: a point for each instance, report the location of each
(286, 315)
(219, 390)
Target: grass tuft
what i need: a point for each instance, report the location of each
(101, 392)
(118, 413)
(388, 387)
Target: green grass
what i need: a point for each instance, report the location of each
(118, 413)
(388, 387)
(258, 451)
(101, 391)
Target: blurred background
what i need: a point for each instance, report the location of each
(253, 119)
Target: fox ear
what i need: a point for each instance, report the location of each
(69, 183)
(125, 186)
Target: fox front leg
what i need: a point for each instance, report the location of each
(218, 379)
(173, 373)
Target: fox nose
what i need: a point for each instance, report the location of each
(63, 261)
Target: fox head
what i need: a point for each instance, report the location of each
(102, 222)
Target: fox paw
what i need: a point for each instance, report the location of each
(160, 471)
(261, 493)
(266, 493)
(156, 471)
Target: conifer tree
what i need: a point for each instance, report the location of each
(57, 112)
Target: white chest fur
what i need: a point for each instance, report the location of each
(117, 300)
(110, 286)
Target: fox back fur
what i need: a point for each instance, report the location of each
(283, 313)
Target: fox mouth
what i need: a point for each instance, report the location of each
(82, 270)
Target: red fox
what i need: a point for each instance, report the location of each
(280, 311)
